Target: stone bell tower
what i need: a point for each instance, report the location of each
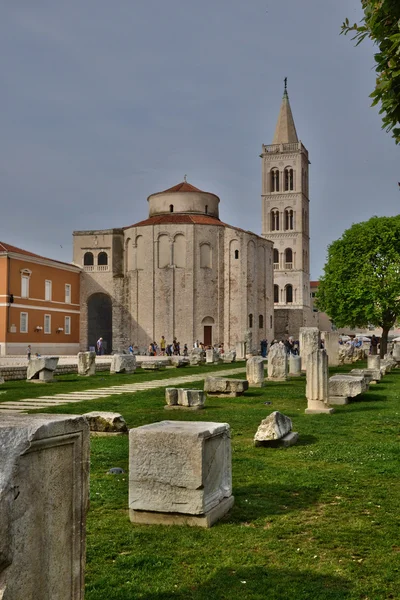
(285, 221)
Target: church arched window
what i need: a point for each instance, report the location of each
(171, 208)
(250, 321)
(261, 321)
(276, 293)
(288, 258)
(88, 259)
(289, 179)
(275, 180)
(236, 254)
(102, 259)
(289, 293)
(289, 220)
(274, 219)
(276, 258)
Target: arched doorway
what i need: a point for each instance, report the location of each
(99, 308)
(207, 323)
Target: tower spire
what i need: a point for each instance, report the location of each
(285, 132)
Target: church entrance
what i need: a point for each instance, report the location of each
(207, 335)
(100, 321)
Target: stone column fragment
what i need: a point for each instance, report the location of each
(331, 345)
(86, 363)
(317, 383)
(277, 363)
(294, 365)
(310, 341)
(255, 371)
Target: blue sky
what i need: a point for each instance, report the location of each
(104, 103)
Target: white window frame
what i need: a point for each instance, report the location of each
(68, 296)
(25, 329)
(48, 291)
(44, 324)
(67, 325)
(25, 278)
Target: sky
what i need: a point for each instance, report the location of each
(104, 103)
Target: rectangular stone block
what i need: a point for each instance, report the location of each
(86, 364)
(255, 371)
(44, 472)
(310, 341)
(220, 386)
(347, 385)
(179, 467)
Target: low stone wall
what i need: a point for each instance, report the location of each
(11, 373)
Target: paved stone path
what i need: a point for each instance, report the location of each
(21, 406)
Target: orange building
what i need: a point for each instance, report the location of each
(39, 303)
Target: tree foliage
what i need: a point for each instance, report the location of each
(361, 281)
(381, 24)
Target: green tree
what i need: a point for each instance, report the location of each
(381, 24)
(361, 281)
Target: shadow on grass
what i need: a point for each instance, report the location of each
(257, 502)
(368, 397)
(306, 440)
(262, 583)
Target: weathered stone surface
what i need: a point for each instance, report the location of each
(277, 362)
(44, 478)
(229, 357)
(123, 363)
(317, 383)
(346, 386)
(42, 369)
(197, 357)
(212, 357)
(309, 341)
(153, 365)
(179, 467)
(294, 365)
(274, 427)
(219, 386)
(390, 360)
(248, 340)
(2, 380)
(331, 345)
(106, 422)
(86, 363)
(371, 375)
(396, 352)
(183, 398)
(374, 362)
(179, 361)
(255, 371)
(241, 350)
(346, 354)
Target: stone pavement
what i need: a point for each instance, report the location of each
(21, 406)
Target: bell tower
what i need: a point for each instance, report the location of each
(285, 221)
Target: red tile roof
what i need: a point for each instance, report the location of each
(8, 248)
(184, 186)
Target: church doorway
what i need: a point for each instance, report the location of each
(100, 321)
(207, 323)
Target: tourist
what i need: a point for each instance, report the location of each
(374, 345)
(29, 352)
(185, 350)
(99, 347)
(163, 345)
(264, 348)
(130, 349)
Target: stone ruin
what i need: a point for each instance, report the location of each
(275, 431)
(212, 357)
(180, 473)
(197, 357)
(179, 361)
(44, 483)
(41, 370)
(182, 399)
(86, 364)
(123, 363)
(255, 371)
(309, 341)
(344, 387)
(317, 383)
(106, 423)
(277, 363)
(229, 357)
(331, 345)
(294, 365)
(222, 387)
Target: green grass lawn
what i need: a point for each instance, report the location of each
(319, 520)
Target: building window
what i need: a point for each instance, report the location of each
(171, 208)
(68, 293)
(261, 322)
(270, 322)
(289, 294)
(276, 259)
(275, 180)
(236, 254)
(47, 290)
(47, 323)
(289, 180)
(250, 321)
(102, 259)
(67, 325)
(25, 286)
(289, 219)
(274, 219)
(88, 259)
(23, 322)
(276, 293)
(206, 209)
(288, 258)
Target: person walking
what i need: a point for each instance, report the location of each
(163, 345)
(28, 352)
(99, 346)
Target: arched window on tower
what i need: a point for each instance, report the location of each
(289, 294)
(171, 208)
(236, 254)
(276, 293)
(275, 180)
(289, 221)
(261, 321)
(274, 219)
(102, 259)
(88, 259)
(289, 179)
(250, 321)
(288, 258)
(276, 259)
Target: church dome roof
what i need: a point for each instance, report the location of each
(183, 198)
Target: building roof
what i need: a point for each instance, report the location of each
(184, 186)
(9, 249)
(285, 132)
(186, 219)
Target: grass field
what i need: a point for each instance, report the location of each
(319, 520)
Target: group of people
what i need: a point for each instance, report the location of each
(292, 346)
